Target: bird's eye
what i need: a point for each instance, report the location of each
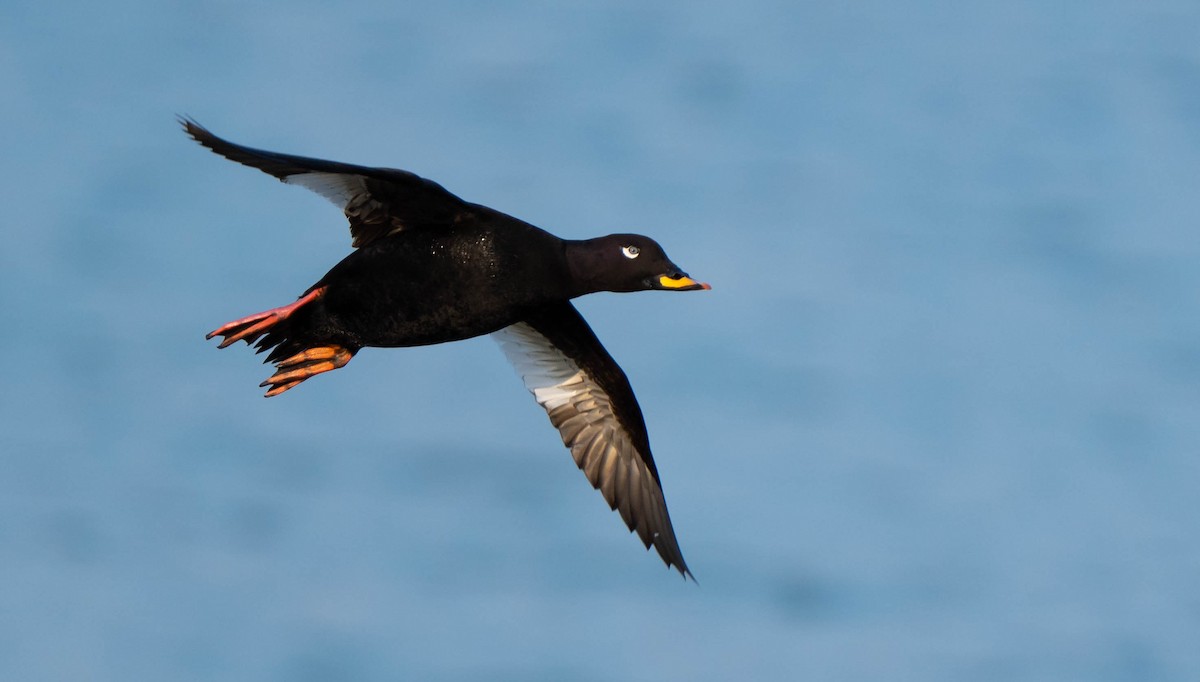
(630, 252)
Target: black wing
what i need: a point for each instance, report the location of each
(592, 405)
(376, 201)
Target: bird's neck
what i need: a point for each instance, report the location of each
(582, 264)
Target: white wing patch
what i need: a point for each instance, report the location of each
(552, 378)
(340, 188)
(350, 193)
(583, 414)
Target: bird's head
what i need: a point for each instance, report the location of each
(625, 262)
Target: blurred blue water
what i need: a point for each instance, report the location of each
(936, 421)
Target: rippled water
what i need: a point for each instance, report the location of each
(937, 420)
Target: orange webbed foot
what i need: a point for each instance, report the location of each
(306, 364)
(251, 327)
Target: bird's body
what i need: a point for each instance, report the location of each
(469, 286)
(432, 268)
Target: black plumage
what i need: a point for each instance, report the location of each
(431, 268)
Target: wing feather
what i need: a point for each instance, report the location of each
(590, 402)
(377, 201)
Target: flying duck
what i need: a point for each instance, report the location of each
(429, 268)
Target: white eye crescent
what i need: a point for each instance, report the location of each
(630, 252)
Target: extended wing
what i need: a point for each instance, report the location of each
(376, 201)
(590, 402)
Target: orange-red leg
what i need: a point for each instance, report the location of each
(253, 326)
(306, 364)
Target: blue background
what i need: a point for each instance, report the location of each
(939, 418)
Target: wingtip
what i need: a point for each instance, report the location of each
(684, 571)
(679, 565)
(190, 126)
(673, 560)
